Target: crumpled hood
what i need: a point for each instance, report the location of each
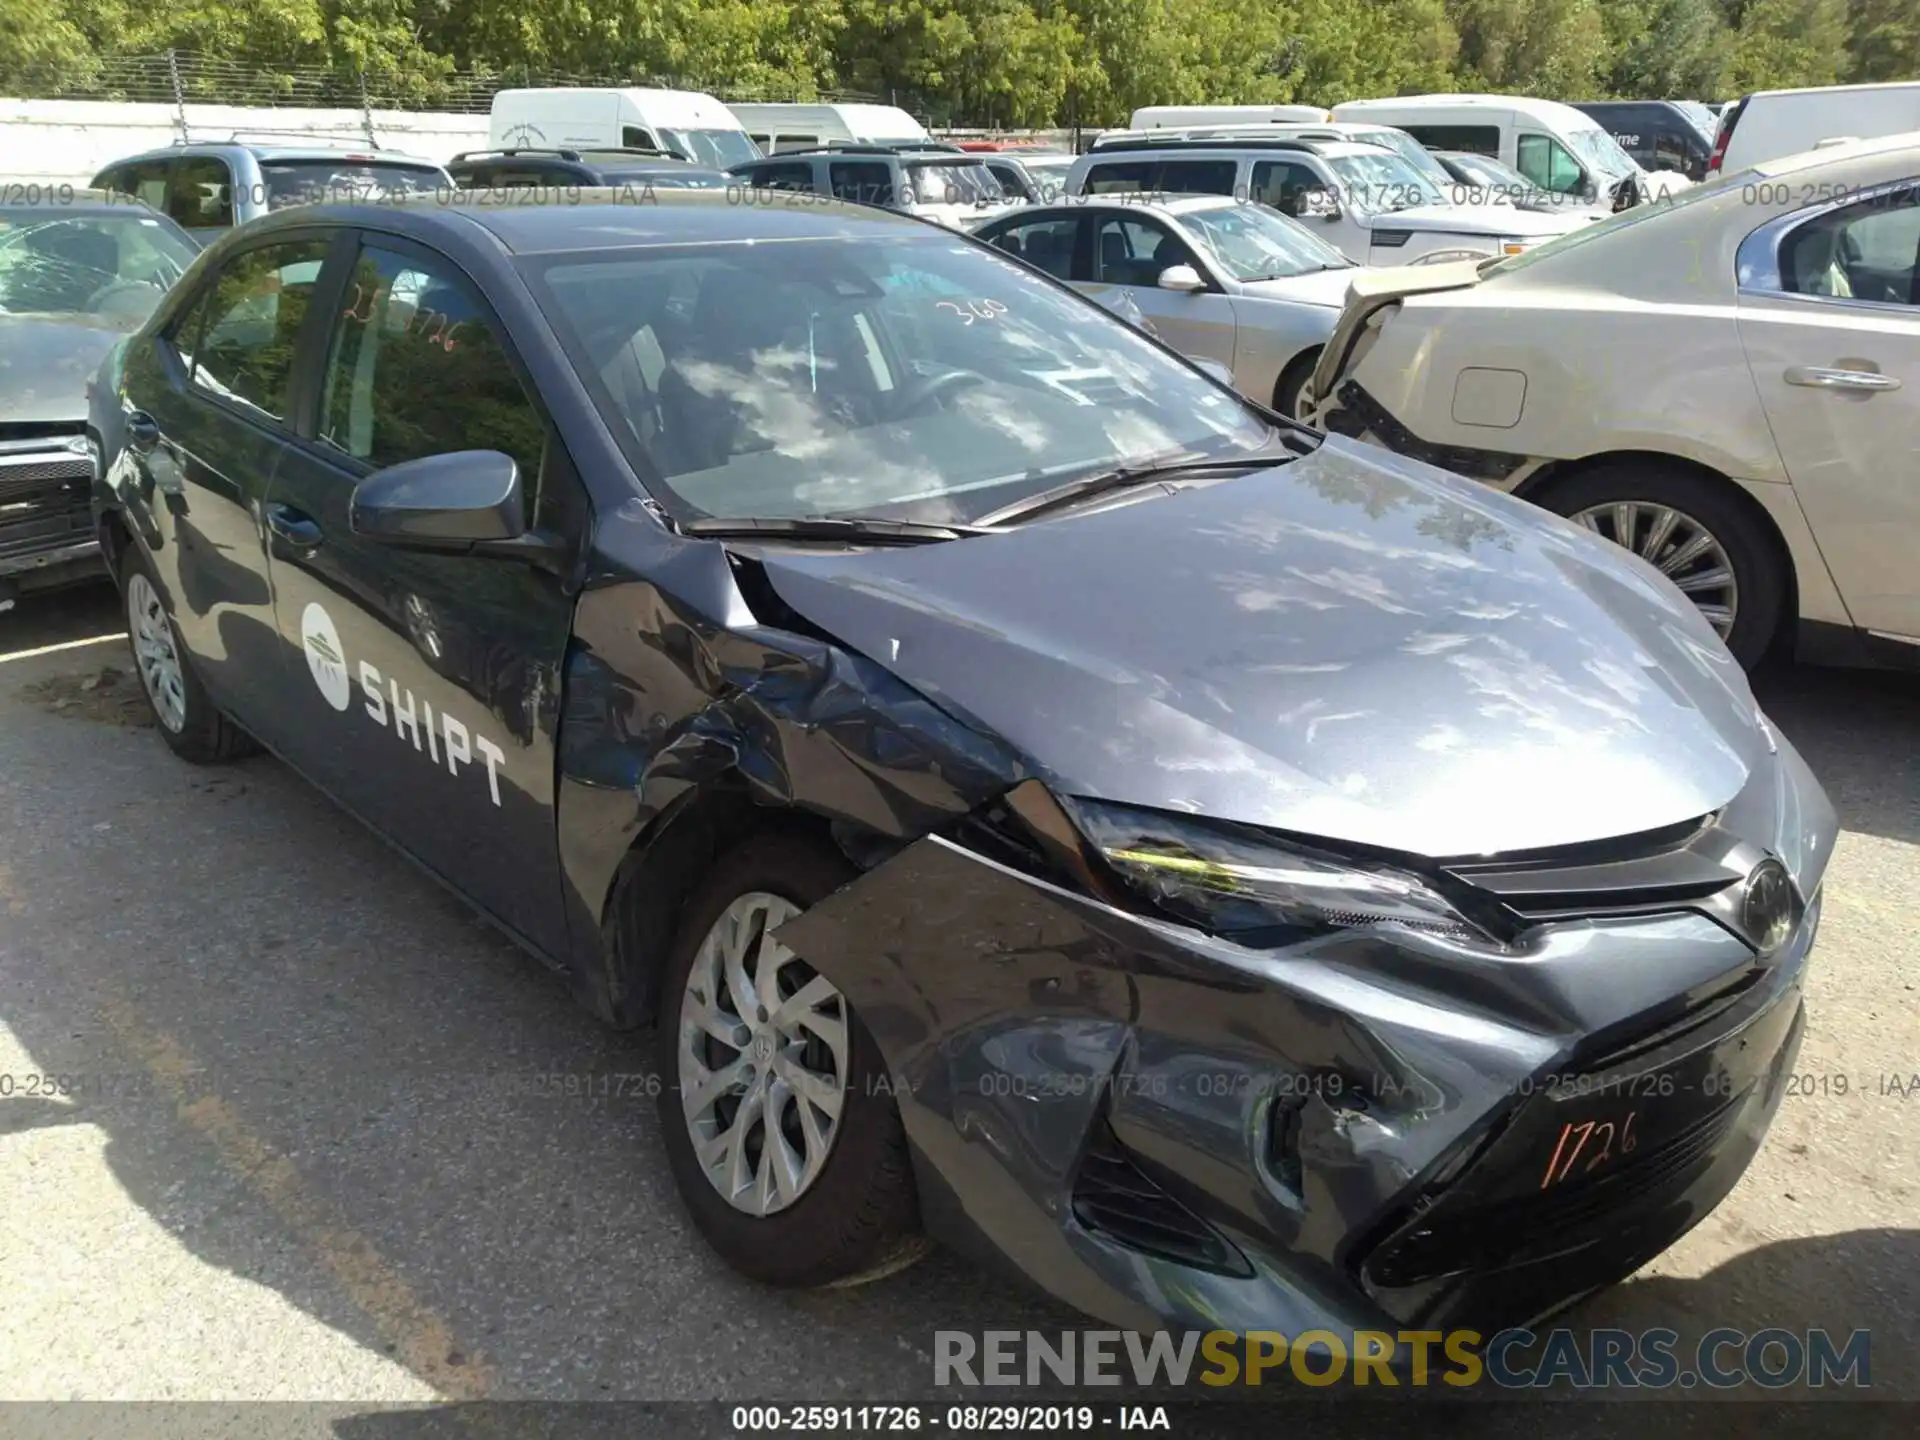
(1352, 645)
(46, 361)
(1322, 287)
(1479, 220)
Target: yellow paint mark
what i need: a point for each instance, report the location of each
(5, 656)
(421, 1339)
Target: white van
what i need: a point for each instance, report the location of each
(1555, 146)
(777, 128)
(1771, 123)
(1181, 117)
(686, 122)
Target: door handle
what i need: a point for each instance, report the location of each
(1815, 377)
(143, 432)
(296, 529)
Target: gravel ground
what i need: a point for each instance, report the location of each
(295, 1165)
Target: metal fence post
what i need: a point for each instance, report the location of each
(179, 94)
(366, 112)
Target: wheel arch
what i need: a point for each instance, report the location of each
(1539, 486)
(1301, 365)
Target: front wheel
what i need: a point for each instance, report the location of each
(1695, 531)
(780, 1127)
(1290, 394)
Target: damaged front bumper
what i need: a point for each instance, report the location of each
(1370, 1129)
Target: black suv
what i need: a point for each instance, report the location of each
(527, 169)
(1658, 134)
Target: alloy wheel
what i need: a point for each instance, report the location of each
(155, 653)
(1679, 547)
(762, 1059)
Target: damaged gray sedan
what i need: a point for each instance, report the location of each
(1239, 878)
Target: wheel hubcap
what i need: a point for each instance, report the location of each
(1677, 545)
(155, 654)
(762, 1059)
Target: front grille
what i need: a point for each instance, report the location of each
(1114, 1197)
(41, 511)
(1502, 1234)
(18, 476)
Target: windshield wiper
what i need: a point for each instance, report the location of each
(1121, 477)
(823, 527)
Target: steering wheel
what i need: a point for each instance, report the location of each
(125, 297)
(924, 391)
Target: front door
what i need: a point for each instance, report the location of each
(430, 681)
(1131, 253)
(208, 405)
(1833, 340)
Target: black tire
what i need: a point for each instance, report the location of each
(1761, 573)
(860, 1214)
(205, 735)
(1293, 379)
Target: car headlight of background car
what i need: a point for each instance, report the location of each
(1257, 890)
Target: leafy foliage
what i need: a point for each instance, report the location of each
(1012, 62)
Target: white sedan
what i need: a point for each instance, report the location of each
(1724, 382)
(1214, 278)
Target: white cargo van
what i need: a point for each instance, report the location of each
(1555, 146)
(686, 122)
(1771, 123)
(1181, 117)
(777, 128)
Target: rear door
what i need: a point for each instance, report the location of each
(429, 682)
(212, 395)
(1831, 327)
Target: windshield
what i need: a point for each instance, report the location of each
(917, 378)
(111, 265)
(950, 182)
(1601, 153)
(1620, 220)
(312, 182)
(1408, 149)
(1700, 115)
(1251, 242)
(1383, 181)
(722, 149)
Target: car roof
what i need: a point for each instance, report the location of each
(1170, 205)
(605, 218)
(361, 154)
(1251, 145)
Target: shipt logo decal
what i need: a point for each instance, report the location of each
(394, 708)
(325, 658)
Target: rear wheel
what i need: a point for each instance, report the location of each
(1697, 532)
(190, 723)
(781, 1130)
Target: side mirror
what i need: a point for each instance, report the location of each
(1318, 205)
(1181, 277)
(1213, 368)
(441, 502)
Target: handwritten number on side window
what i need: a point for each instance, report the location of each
(972, 310)
(436, 326)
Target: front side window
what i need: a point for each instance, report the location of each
(635, 137)
(1044, 244)
(1281, 183)
(1251, 243)
(1012, 182)
(200, 194)
(417, 366)
(58, 260)
(1121, 177)
(252, 322)
(722, 149)
(1382, 181)
(1865, 251)
(1198, 177)
(1135, 252)
(951, 182)
(313, 182)
(1548, 164)
(868, 182)
(916, 376)
(781, 177)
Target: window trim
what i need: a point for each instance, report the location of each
(325, 300)
(1756, 263)
(345, 256)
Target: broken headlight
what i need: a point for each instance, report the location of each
(1249, 887)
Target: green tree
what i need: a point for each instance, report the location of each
(1784, 43)
(1665, 48)
(1883, 41)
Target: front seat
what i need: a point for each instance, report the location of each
(736, 321)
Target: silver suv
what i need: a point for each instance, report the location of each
(209, 188)
(935, 182)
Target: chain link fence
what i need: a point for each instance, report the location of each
(180, 78)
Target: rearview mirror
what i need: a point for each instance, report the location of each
(441, 502)
(1181, 277)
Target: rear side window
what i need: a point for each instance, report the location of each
(1119, 177)
(251, 322)
(1198, 177)
(870, 182)
(417, 366)
(312, 182)
(1477, 139)
(1045, 244)
(200, 194)
(1280, 184)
